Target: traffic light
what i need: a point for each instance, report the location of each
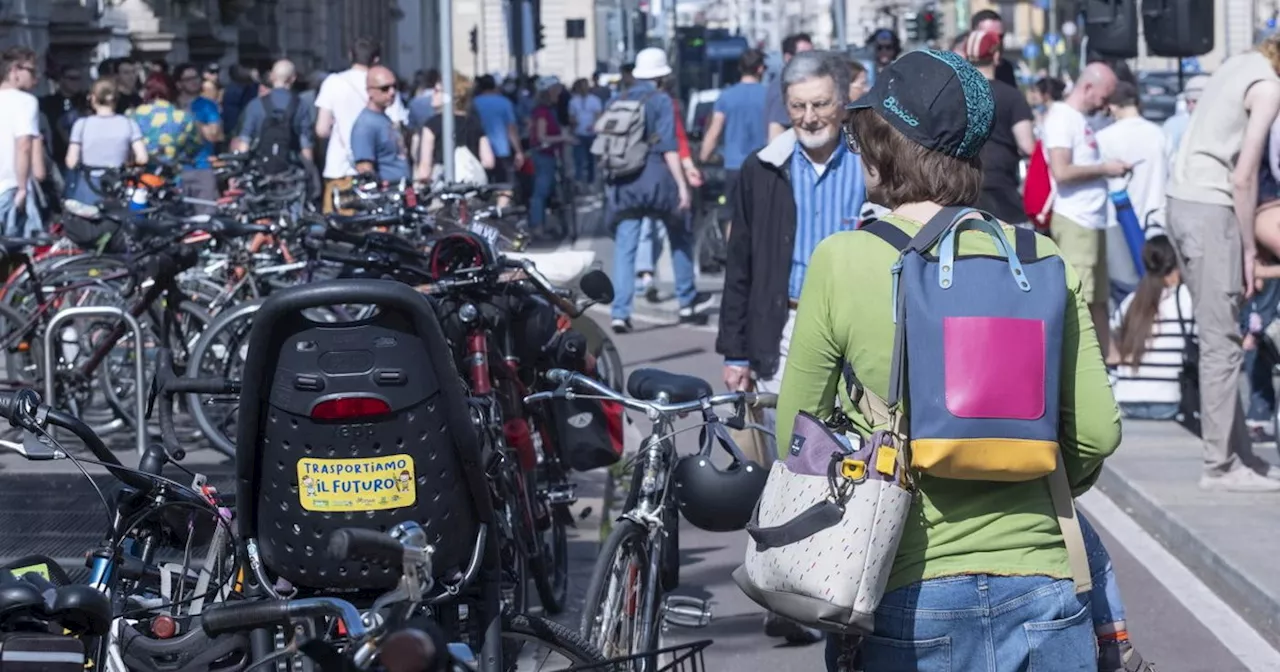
(914, 26)
(537, 39)
(929, 25)
(475, 40)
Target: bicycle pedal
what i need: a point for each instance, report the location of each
(686, 612)
(561, 494)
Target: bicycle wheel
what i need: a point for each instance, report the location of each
(220, 353)
(116, 375)
(521, 630)
(550, 569)
(620, 614)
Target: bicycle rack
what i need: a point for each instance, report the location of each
(140, 372)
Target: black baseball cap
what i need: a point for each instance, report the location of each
(935, 98)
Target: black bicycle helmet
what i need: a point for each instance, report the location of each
(459, 251)
(718, 499)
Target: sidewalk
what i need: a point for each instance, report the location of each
(1230, 541)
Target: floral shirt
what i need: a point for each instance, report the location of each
(170, 133)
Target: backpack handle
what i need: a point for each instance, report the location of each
(951, 242)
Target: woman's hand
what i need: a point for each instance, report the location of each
(692, 174)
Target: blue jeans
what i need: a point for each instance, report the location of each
(626, 242)
(17, 224)
(544, 182)
(584, 164)
(653, 235)
(980, 623)
(1259, 362)
(1104, 600)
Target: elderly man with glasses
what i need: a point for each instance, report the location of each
(803, 186)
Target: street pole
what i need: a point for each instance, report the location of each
(842, 29)
(446, 80)
(1051, 28)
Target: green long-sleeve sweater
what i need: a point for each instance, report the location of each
(955, 527)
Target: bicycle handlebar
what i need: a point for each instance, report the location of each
(567, 380)
(255, 614)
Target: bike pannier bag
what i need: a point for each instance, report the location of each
(589, 432)
(40, 652)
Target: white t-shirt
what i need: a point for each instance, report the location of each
(346, 94)
(1084, 203)
(585, 110)
(1155, 379)
(1141, 143)
(21, 118)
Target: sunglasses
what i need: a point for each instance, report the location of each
(384, 88)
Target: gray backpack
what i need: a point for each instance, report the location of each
(622, 145)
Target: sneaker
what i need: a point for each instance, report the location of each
(621, 326)
(1121, 657)
(1239, 480)
(689, 315)
(794, 633)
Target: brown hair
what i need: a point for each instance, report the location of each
(1159, 259)
(103, 93)
(1270, 48)
(461, 93)
(907, 171)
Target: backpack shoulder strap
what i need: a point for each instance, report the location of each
(1024, 244)
(887, 232)
(1069, 521)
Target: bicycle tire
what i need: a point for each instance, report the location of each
(562, 640)
(225, 320)
(124, 408)
(595, 605)
(550, 569)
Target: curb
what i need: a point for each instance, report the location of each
(1217, 571)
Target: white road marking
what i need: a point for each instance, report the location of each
(1218, 618)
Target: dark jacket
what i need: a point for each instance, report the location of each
(754, 306)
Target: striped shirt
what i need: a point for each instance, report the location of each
(828, 200)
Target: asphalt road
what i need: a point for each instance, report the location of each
(1164, 630)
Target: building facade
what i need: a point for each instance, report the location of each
(314, 33)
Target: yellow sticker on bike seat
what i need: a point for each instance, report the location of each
(41, 569)
(362, 484)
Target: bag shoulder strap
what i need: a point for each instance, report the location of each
(1065, 510)
(1024, 239)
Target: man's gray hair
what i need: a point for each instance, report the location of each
(808, 65)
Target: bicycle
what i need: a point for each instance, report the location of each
(638, 563)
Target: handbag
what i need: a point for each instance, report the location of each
(827, 526)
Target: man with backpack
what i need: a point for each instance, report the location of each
(640, 163)
(277, 126)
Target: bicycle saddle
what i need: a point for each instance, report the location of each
(81, 609)
(18, 600)
(647, 384)
(232, 228)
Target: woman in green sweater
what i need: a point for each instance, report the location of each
(981, 580)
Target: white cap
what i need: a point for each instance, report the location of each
(651, 63)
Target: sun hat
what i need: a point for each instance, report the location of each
(651, 63)
(936, 99)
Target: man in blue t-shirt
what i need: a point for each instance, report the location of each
(738, 116)
(376, 146)
(498, 117)
(198, 179)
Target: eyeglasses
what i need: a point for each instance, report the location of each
(820, 107)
